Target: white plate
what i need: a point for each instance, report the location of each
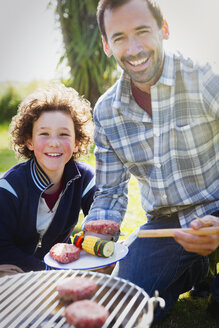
(87, 261)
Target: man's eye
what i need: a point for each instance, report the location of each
(143, 31)
(118, 39)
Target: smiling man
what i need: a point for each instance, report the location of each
(136, 42)
(158, 122)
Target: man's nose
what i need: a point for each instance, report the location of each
(133, 46)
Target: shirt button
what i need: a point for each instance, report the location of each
(157, 134)
(158, 165)
(164, 196)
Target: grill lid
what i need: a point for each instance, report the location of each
(31, 300)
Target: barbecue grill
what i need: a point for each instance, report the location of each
(31, 300)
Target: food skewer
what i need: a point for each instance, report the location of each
(94, 245)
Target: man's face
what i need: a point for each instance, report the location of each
(135, 41)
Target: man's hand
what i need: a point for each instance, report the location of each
(203, 245)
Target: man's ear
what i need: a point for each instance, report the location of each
(165, 29)
(29, 144)
(106, 47)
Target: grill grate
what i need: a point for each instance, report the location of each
(31, 300)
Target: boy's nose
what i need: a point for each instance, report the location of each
(53, 142)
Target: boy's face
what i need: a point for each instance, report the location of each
(53, 142)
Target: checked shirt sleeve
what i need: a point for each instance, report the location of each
(210, 91)
(111, 179)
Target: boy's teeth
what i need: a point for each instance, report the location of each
(54, 154)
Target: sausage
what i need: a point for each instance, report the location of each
(77, 288)
(64, 253)
(102, 226)
(86, 314)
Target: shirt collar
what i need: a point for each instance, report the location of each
(124, 84)
(169, 71)
(122, 94)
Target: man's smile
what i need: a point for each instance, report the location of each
(138, 62)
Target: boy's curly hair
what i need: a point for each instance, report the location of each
(53, 98)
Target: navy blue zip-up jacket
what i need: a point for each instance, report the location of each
(20, 191)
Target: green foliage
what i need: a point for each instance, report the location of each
(9, 102)
(91, 71)
(11, 95)
(7, 157)
(188, 312)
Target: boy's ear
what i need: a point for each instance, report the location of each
(166, 31)
(29, 144)
(75, 149)
(106, 47)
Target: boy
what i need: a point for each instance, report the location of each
(40, 199)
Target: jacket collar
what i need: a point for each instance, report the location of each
(41, 179)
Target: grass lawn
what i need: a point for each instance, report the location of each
(7, 157)
(188, 312)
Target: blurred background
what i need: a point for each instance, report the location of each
(48, 40)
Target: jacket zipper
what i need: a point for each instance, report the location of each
(39, 244)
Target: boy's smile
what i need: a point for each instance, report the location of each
(55, 155)
(53, 142)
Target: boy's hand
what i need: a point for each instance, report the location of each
(8, 269)
(203, 245)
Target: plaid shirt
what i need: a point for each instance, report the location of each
(174, 155)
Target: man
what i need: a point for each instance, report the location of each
(158, 122)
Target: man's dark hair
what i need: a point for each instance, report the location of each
(112, 4)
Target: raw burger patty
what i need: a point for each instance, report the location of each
(77, 288)
(102, 226)
(86, 314)
(65, 253)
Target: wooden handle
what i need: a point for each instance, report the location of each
(170, 232)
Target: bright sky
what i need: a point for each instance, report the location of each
(31, 43)
(194, 27)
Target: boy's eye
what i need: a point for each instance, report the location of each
(44, 134)
(64, 134)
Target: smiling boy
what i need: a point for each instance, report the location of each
(40, 199)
